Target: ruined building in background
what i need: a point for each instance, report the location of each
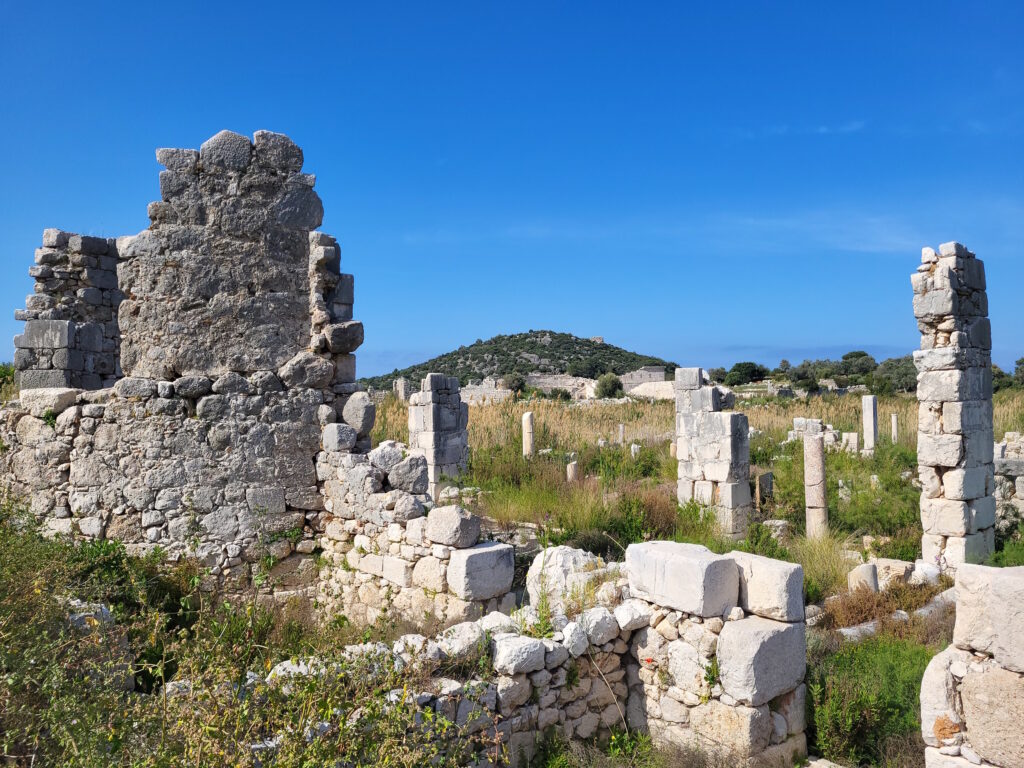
(713, 449)
(954, 388)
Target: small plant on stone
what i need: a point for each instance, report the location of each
(51, 419)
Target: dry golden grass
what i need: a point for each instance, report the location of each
(843, 412)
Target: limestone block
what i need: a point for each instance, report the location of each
(938, 696)
(965, 484)
(955, 385)
(990, 613)
(869, 409)
(760, 659)
(972, 548)
(863, 576)
(993, 705)
(386, 455)
(600, 625)
(561, 572)
(463, 643)
(452, 526)
(339, 437)
(770, 588)
(40, 402)
(982, 513)
(686, 577)
(360, 413)
(307, 371)
(945, 517)
(226, 151)
(939, 450)
(192, 387)
(743, 731)
(632, 614)
(344, 338)
(45, 334)
(892, 571)
(410, 474)
(480, 572)
(793, 708)
(514, 654)
(688, 378)
(933, 758)
(396, 570)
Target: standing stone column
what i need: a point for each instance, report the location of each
(895, 428)
(528, 434)
(814, 486)
(622, 434)
(869, 413)
(572, 470)
(954, 392)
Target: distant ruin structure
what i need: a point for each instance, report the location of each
(954, 390)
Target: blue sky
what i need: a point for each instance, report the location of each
(705, 184)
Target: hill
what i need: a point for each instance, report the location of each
(535, 351)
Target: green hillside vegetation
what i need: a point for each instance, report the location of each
(523, 353)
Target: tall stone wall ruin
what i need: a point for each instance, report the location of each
(954, 389)
(438, 420)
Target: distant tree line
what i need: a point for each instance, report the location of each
(896, 374)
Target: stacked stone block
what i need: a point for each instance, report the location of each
(438, 420)
(71, 336)
(954, 389)
(389, 551)
(713, 449)
(972, 694)
(806, 426)
(694, 612)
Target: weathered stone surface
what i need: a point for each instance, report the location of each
(686, 577)
(632, 614)
(40, 402)
(561, 572)
(514, 654)
(759, 659)
(938, 696)
(993, 705)
(480, 572)
(410, 474)
(600, 625)
(742, 731)
(463, 643)
(339, 437)
(386, 455)
(306, 371)
(990, 613)
(863, 576)
(344, 338)
(226, 151)
(770, 588)
(360, 413)
(452, 525)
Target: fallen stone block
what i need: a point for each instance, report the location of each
(686, 577)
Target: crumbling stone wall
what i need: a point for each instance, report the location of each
(438, 420)
(972, 694)
(954, 389)
(71, 336)
(236, 335)
(1009, 472)
(713, 448)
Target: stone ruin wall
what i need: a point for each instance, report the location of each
(972, 693)
(1009, 473)
(438, 420)
(713, 449)
(954, 389)
(71, 336)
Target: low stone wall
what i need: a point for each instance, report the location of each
(703, 651)
(972, 694)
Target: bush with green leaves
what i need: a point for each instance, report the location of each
(608, 385)
(863, 695)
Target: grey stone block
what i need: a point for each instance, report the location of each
(46, 334)
(481, 572)
(36, 379)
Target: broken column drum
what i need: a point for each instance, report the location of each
(954, 390)
(869, 412)
(815, 498)
(528, 446)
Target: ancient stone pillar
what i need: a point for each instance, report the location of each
(814, 486)
(622, 434)
(572, 470)
(713, 449)
(438, 422)
(528, 434)
(673, 449)
(634, 451)
(954, 391)
(869, 417)
(895, 427)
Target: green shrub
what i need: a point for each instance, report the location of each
(863, 695)
(1012, 552)
(608, 385)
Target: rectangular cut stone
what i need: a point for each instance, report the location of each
(46, 334)
(396, 570)
(759, 659)
(990, 613)
(939, 450)
(689, 378)
(967, 416)
(869, 418)
(945, 517)
(686, 577)
(481, 572)
(972, 548)
(770, 588)
(983, 513)
(740, 732)
(965, 484)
